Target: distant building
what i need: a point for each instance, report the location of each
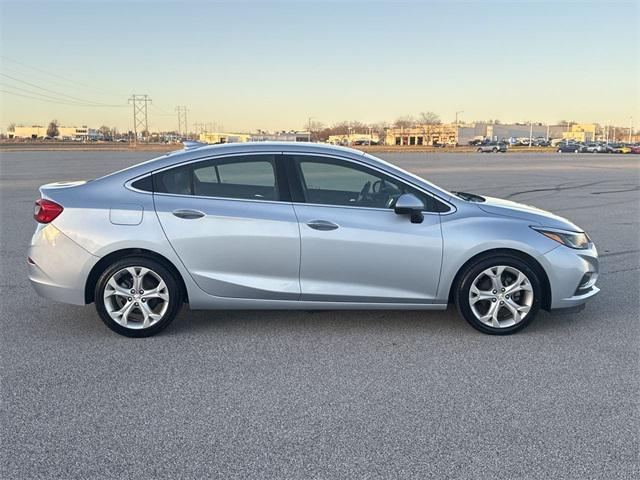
(354, 139)
(582, 132)
(422, 135)
(39, 131)
(280, 137)
(224, 137)
(220, 137)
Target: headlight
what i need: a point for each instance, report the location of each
(578, 240)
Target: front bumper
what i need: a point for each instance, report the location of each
(58, 267)
(572, 275)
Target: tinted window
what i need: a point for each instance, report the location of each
(247, 177)
(176, 180)
(145, 184)
(336, 182)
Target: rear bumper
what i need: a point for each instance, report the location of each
(572, 275)
(58, 267)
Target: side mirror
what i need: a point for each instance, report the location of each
(409, 204)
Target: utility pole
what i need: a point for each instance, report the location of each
(547, 139)
(630, 128)
(182, 120)
(140, 123)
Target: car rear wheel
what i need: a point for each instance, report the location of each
(499, 295)
(494, 150)
(479, 150)
(137, 297)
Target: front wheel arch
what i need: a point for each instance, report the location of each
(525, 257)
(111, 258)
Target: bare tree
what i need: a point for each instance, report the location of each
(52, 129)
(429, 118)
(405, 122)
(12, 127)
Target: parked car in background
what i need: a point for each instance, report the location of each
(618, 148)
(492, 147)
(569, 148)
(298, 226)
(635, 148)
(594, 147)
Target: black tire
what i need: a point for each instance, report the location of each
(559, 150)
(466, 278)
(173, 288)
(494, 150)
(479, 150)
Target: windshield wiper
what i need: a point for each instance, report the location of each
(469, 197)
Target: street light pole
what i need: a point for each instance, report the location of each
(630, 128)
(309, 129)
(457, 135)
(530, 132)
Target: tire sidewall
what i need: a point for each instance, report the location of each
(175, 296)
(470, 274)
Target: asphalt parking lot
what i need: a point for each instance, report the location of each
(331, 395)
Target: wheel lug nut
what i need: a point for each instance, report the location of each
(136, 304)
(506, 296)
(501, 303)
(503, 289)
(141, 292)
(495, 291)
(143, 300)
(129, 298)
(493, 300)
(132, 291)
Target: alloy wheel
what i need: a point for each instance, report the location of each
(136, 297)
(501, 296)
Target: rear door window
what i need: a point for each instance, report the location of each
(251, 177)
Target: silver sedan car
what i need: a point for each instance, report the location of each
(298, 226)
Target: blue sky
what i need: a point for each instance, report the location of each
(272, 65)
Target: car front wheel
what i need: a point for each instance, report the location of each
(499, 295)
(137, 297)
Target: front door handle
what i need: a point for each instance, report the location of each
(188, 214)
(322, 225)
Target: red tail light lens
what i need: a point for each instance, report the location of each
(46, 211)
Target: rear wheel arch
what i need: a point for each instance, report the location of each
(525, 257)
(111, 258)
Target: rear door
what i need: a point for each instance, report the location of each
(231, 222)
(354, 247)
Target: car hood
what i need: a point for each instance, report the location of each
(507, 208)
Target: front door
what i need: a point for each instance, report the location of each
(354, 248)
(229, 224)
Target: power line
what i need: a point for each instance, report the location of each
(88, 102)
(68, 80)
(44, 99)
(51, 98)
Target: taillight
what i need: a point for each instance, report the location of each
(46, 211)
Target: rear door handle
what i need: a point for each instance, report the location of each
(322, 225)
(188, 214)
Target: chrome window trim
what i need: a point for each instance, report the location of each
(452, 208)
